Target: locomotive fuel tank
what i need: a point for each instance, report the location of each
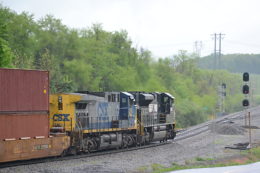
(159, 135)
(110, 140)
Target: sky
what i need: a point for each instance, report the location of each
(162, 26)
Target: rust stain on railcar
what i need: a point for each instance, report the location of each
(33, 148)
(24, 90)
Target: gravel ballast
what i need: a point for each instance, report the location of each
(208, 144)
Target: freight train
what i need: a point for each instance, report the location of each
(77, 122)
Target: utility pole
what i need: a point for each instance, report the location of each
(217, 52)
(219, 55)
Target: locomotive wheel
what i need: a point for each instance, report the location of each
(72, 151)
(64, 153)
(130, 140)
(124, 142)
(127, 141)
(89, 145)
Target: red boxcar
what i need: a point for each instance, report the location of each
(24, 103)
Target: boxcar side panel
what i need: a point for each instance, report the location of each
(24, 90)
(23, 125)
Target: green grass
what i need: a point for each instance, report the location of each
(156, 167)
(142, 169)
(203, 159)
(251, 156)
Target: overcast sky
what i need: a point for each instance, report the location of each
(162, 26)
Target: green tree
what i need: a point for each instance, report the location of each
(58, 81)
(6, 54)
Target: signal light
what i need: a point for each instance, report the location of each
(246, 89)
(245, 102)
(245, 77)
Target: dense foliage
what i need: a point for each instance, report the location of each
(236, 63)
(97, 60)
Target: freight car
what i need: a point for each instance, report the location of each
(24, 117)
(104, 120)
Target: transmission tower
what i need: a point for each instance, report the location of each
(217, 52)
(198, 48)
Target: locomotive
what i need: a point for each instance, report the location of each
(36, 124)
(104, 120)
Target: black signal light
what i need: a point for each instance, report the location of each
(245, 102)
(245, 77)
(245, 89)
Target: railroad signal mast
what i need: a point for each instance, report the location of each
(245, 89)
(221, 98)
(245, 103)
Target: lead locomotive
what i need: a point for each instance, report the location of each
(104, 120)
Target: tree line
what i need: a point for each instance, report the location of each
(97, 60)
(236, 63)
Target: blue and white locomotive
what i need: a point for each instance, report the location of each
(102, 120)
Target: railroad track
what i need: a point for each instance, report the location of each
(97, 153)
(196, 130)
(181, 134)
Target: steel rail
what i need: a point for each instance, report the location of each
(85, 155)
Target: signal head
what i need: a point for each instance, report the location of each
(245, 102)
(245, 89)
(245, 77)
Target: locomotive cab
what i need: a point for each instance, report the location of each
(167, 101)
(166, 110)
(127, 106)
